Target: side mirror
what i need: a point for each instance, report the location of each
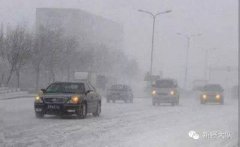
(43, 90)
(88, 91)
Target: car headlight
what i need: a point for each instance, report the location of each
(38, 99)
(172, 92)
(75, 99)
(204, 96)
(218, 96)
(154, 92)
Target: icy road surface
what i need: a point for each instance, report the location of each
(122, 125)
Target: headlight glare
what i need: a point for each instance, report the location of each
(172, 92)
(75, 100)
(154, 92)
(38, 99)
(204, 96)
(218, 96)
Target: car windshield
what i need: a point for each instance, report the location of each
(118, 87)
(65, 88)
(165, 84)
(212, 88)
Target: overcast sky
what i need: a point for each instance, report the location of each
(216, 20)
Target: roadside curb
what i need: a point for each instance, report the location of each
(17, 97)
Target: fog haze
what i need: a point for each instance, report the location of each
(215, 20)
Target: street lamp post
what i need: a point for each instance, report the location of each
(153, 30)
(188, 37)
(207, 62)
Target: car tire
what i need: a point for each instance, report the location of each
(108, 100)
(131, 100)
(113, 101)
(222, 102)
(98, 110)
(39, 115)
(82, 112)
(177, 103)
(153, 103)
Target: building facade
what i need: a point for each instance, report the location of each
(88, 29)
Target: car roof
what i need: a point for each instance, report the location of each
(166, 79)
(213, 85)
(121, 85)
(69, 82)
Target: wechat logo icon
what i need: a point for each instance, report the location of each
(194, 135)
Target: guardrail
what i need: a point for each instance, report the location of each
(4, 90)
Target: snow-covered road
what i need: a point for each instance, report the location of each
(122, 125)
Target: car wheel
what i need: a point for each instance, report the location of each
(98, 110)
(153, 103)
(82, 112)
(113, 101)
(131, 100)
(222, 102)
(177, 102)
(39, 115)
(108, 100)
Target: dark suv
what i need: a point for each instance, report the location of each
(120, 92)
(62, 98)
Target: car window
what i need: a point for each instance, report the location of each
(91, 87)
(165, 84)
(65, 88)
(212, 88)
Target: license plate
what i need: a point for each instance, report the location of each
(38, 109)
(53, 107)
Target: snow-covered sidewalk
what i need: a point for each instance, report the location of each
(16, 94)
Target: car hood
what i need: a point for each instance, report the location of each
(165, 90)
(58, 95)
(212, 92)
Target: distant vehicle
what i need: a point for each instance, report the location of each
(165, 91)
(68, 98)
(212, 93)
(120, 92)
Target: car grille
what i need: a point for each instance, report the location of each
(162, 93)
(55, 100)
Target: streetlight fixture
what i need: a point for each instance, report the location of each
(154, 18)
(207, 62)
(188, 37)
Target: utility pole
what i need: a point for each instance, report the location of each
(188, 38)
(153, 32)
(206, 63)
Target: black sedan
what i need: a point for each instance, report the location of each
(68, 98)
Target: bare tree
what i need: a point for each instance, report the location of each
(71, 45)
(45, 52)
(17, 51)
(39, 52)
(2, 45)
(55, 48)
